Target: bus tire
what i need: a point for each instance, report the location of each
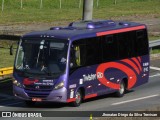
(121, 91)
(78, 100)
(30, 103)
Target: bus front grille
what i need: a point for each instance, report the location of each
(37, 94)
(40, 88)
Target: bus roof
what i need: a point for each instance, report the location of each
(86, 29)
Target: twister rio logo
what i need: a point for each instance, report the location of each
(131, 67)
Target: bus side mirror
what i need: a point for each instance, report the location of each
(11, 50)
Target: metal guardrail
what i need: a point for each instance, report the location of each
(6, 71)
(10, 37)
(154, 43)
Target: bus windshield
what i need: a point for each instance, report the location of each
(42, 56)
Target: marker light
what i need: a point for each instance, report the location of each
(16, 83)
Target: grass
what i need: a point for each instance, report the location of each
(151, 38)
(6, 60)
(50, 12)
(155, 51)
(13, 14)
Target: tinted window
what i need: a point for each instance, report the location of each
(124, 45)
(110, 48)
(132, 41)
(78, 53)
(141, 43)
(93, 51)
(90, 51)
(86, 52)
(132, 44)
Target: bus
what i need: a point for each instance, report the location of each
(83, 60)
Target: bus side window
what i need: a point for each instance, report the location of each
(132, 42)
(78, 56)
(110, 48)
(124, 45)
(141, 42)
(93, 51)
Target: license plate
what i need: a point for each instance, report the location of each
(37, 99)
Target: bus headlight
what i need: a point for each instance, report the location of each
(16, 83)
(60, 85)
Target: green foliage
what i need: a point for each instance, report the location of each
(70, 11)
(6, 59)
(155, 51)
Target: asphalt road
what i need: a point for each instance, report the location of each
(141, 98)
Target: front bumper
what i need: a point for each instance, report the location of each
(59, 95)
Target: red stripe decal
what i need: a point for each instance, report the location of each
(139, 59)
(90, 96)
(119, 30)
(132, 65)
(137, 62)
(132, 78)
(28, 81)
(71, 100)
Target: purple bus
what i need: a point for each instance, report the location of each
(83, 60)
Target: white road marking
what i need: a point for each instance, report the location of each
(155, 68)
(11, 104)
(158, 74)
(127, 101)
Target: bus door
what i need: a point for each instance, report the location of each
(80, 74)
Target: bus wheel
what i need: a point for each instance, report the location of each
(121, 91)
(30, 103)
(78, 100)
